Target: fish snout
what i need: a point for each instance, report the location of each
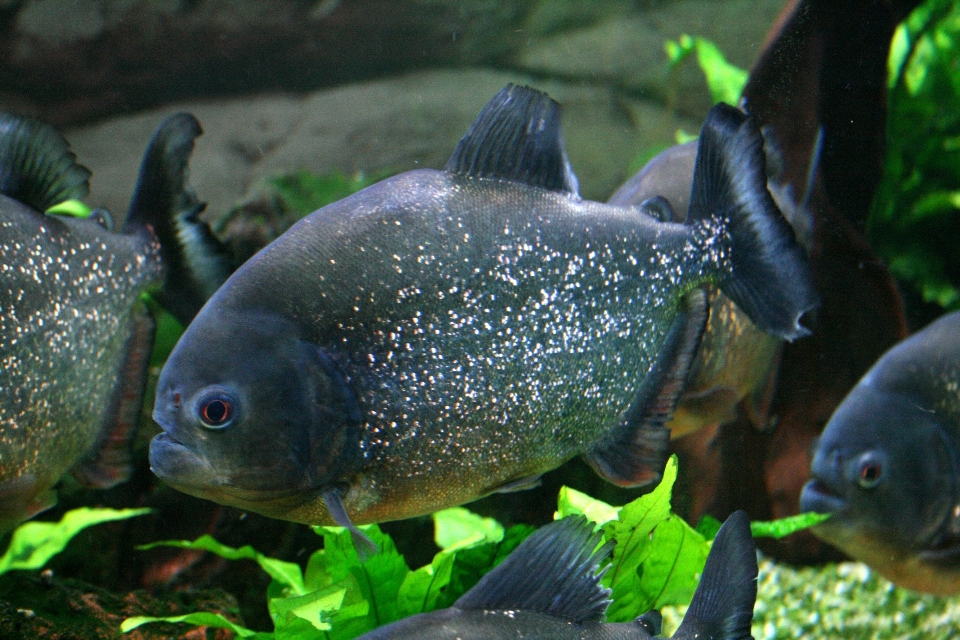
(824, 492)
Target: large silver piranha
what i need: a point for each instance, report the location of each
(887, 467)
(442, 335)
(548, 589)
(75, 336)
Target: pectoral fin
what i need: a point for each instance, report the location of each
(334, 502)
(634, 453)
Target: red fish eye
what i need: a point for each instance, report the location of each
(216, 412)
(176, 400)
(870, 474)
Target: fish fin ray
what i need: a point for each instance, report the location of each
(722, 606)
(109, 461)
(770, 277)
(553, 572)
(37, 166)
(334, 502)
(635, 452)
(517, 137)
(196, 262)
(520, 484)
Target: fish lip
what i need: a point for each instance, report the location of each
(817, 496)
(202, 480)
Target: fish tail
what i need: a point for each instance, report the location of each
(37, 166)
(741, 231)
(722, 605)
(196, 262)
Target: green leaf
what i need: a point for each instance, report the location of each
(786, 526)
(306, 616)
(708, 527)
(458, 527)
(34, 543)
(376, 581)
(633, 532)
(73, 208)
(199, 619)
(724, 80)
(572, 502)
(306, 192)
(286, 573)
(423, 588)
(676, 558)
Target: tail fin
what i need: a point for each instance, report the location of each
(36, 164)
(196, 262)
(722, 607)
(769, 277)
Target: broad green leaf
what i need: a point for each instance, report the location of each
(724, 80)
(633, 532)
(786, 526)
(572, 502)
(73, 208)
(461, 527)
(199, 619)
(376, 580)
(306, 192)
(34, 543)
(422, 589)
(671, 572)
(306, 616)
(287, 573)
(708, 527)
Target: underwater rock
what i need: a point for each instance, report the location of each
(627, 49)
(50, 608)
(399, 123)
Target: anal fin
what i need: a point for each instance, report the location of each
(635, 452)
(109, 463)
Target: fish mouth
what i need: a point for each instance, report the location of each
(183, 469)
(818, 497)
(176, 464)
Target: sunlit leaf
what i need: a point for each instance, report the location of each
(73, 208)
(287, 573)
(786, 526)
(199, 619)
(34, 543)
(572, 502)
(461, 527)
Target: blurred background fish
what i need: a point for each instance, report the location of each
(887, 467)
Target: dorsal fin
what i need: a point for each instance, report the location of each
(196, 262)
(37, 166)
(516, 137)
(553, 572)
(722, 606)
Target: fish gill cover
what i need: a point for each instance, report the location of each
(656, 562)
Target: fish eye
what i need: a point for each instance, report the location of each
(216, 410)
(871, 471)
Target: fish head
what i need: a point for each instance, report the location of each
(252, 415)
(885, 470)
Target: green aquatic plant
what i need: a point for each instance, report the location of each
(305, 192)
(914, 220)
(33, 543)
(657, 561)
(724, 80)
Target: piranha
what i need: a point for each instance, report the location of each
(887, 467)
(549, 588)
(442, 335)
(735, 359)
(75, 336)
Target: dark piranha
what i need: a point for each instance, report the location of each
(887, 466)
(75, 336)
(548, 588)
(444, 334)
